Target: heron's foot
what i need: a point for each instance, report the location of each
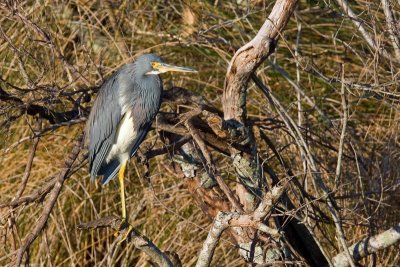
(126, 233)
(122, 226)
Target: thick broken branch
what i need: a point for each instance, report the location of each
(243, 64)
(249, 57)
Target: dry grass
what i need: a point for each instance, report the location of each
(91, 39)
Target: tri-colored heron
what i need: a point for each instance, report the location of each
(121, 116)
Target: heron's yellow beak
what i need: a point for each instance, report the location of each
(159, 67)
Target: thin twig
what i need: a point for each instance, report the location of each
(343, 133)
(221, 223)
(339, 168)
(308, 156)
(296, 54)
(300, 91)
(28, 168)
(43, 190)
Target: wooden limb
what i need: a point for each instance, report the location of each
(243, 64)
(129, 234)
(369, 245)
(63, 175)
(112, 221)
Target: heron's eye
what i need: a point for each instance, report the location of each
(155, 65)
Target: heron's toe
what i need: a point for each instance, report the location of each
(125, 233)
(123, 227)
(124, 224)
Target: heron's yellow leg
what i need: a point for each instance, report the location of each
(124, 223)
(121, 175)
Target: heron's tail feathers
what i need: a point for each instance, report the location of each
(109, 171)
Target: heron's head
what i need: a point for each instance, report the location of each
(154, 65)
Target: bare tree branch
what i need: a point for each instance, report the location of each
(359, 26)
(50, 202)
(368, 246)
(233, 219)
(221, 223)
(210, 166)
(391, 23)
(34, 109)
(129, 234)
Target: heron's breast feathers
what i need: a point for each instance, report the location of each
(125, 138)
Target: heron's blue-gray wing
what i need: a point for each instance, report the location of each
(143, 119)
(103, 123)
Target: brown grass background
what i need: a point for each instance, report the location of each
(91, 39)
